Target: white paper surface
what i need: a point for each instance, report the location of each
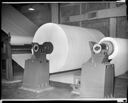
(120, 54)
(71, 45)
(20, 40)
(67, 77)
(20, 58)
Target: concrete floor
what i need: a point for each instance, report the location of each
(60, 91)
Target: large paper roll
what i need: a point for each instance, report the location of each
(20, 58)
(20, 40)
(120, 54)
(70, 45)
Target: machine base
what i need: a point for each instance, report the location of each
(36, 75)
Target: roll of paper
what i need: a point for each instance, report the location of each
(20, 58)
(70, 45)
(120, 54)
(20, 40)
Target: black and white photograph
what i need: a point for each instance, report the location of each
(64, 51)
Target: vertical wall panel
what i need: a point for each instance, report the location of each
(101, 24)
(67, 10)
(70, 10)
(122, 27)
(55, 12)
(72, 23)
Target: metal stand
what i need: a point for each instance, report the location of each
(36, 72)
(97, 77)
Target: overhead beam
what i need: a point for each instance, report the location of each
(100, 14)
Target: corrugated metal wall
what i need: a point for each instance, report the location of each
(72, 9)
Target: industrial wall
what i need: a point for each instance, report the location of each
(71, 14)
(115, 26)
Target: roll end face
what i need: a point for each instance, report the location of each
(106, 47)
(112, 46)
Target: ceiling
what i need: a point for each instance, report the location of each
(39, 16)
